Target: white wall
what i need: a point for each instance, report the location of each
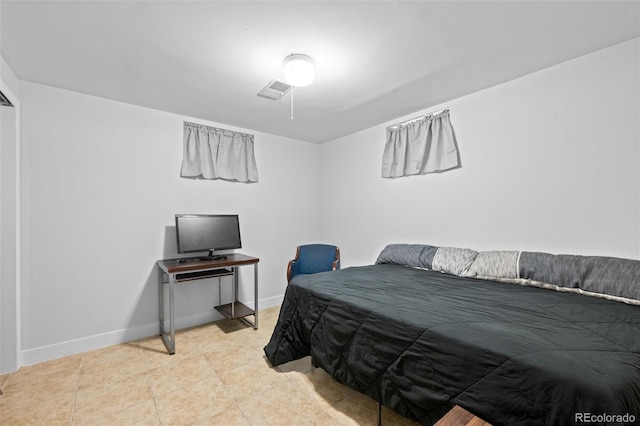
(9, 222)
(101, 187)
(550, 162)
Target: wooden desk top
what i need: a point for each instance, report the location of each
(186, 264)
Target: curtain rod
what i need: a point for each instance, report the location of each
(190, 123)
(420, 117)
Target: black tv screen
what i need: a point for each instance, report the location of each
(207, 232)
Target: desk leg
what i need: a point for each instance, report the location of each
(234, 291)
(255, 295)
(161, 300)
(172, 316)
(253, 323)
(168, 340)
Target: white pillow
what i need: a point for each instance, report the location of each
(453, 260)
(495, 264)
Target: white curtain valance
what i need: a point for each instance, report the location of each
(212, 153)
(426, 145)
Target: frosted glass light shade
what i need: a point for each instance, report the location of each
(299, 70)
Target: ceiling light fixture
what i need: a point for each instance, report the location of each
(299, 70)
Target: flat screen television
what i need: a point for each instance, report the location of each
(207, 232)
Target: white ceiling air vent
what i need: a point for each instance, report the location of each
(274, 90)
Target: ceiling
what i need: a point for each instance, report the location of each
(375, 61)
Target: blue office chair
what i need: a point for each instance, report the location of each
(313, 258)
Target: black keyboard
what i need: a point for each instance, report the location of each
(185, 276)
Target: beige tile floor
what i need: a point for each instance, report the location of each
(218, 375)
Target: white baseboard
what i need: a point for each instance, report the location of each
(270, 302)
(90, 343)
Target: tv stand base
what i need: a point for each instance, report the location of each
(214, 257)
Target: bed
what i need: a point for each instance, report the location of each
(426, 328)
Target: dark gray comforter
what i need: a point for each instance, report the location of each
(422, 341)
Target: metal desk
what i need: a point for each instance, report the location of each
(175, 271)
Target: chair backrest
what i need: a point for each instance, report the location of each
(316, 258)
